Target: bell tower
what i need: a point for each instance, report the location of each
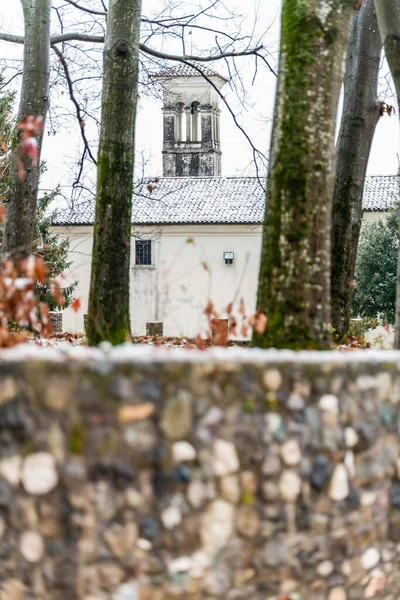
(191, 139)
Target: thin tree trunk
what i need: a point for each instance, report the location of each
(22, 197)
(294, 279)
(108, 316)
(361, 112)
(388, 12)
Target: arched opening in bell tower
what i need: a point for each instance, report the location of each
(180, 123)
(195, 122)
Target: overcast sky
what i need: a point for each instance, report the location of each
(255, 117)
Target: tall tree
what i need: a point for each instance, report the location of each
(388, 12)
(294, 279)
(108, 315)
(361, 112)
(22, 195)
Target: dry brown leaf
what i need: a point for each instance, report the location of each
(242, 310)
(261, 322)
(41, 270)
(209, 309)
(76, 304)
(56, 292)
(2, 213)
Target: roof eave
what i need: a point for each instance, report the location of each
(165, 224)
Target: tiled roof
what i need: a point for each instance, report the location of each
(172, 200)
(381, 192)
(224, 200)
(185, 70)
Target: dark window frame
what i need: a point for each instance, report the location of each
(143, 253)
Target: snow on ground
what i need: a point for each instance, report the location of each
(64, 350)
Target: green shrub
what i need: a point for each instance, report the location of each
(54, 252)
(376, 269)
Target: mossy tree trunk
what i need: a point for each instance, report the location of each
(108, 314)
(388, 12)
(22, 195)
(361, 112)
(294, 279)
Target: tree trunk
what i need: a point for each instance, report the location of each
(361, 112)
(294, 279)
(388, 12)
(108, 315)
(22, 197)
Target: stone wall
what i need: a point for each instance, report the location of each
(191, 160)
(130, 475)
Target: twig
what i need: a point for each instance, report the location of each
(91, 11)
(79, 115)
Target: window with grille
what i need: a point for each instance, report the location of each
(143, 252)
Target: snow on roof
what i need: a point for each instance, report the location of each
(185, 70)
(188, 200)
(218, 200)
(381, 192)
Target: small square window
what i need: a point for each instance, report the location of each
(143, 252)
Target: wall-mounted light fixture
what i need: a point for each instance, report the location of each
(228, 258)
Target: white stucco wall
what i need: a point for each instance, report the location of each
(188, 271)
(371, 217)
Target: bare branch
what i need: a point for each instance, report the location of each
(57, 39)
(83, 37)
(99, 39)
(76, 37)
(185, 58)
(179, 24)
(8, 37)
(5, 84)
(87, 10)
(78, 110)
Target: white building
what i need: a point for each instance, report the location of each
(196, 235)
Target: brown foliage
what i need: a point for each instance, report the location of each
(220, 329)
(18, 303)
(386, 108)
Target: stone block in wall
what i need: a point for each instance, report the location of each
(155, 328)
(248, 474)
(56, 320)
